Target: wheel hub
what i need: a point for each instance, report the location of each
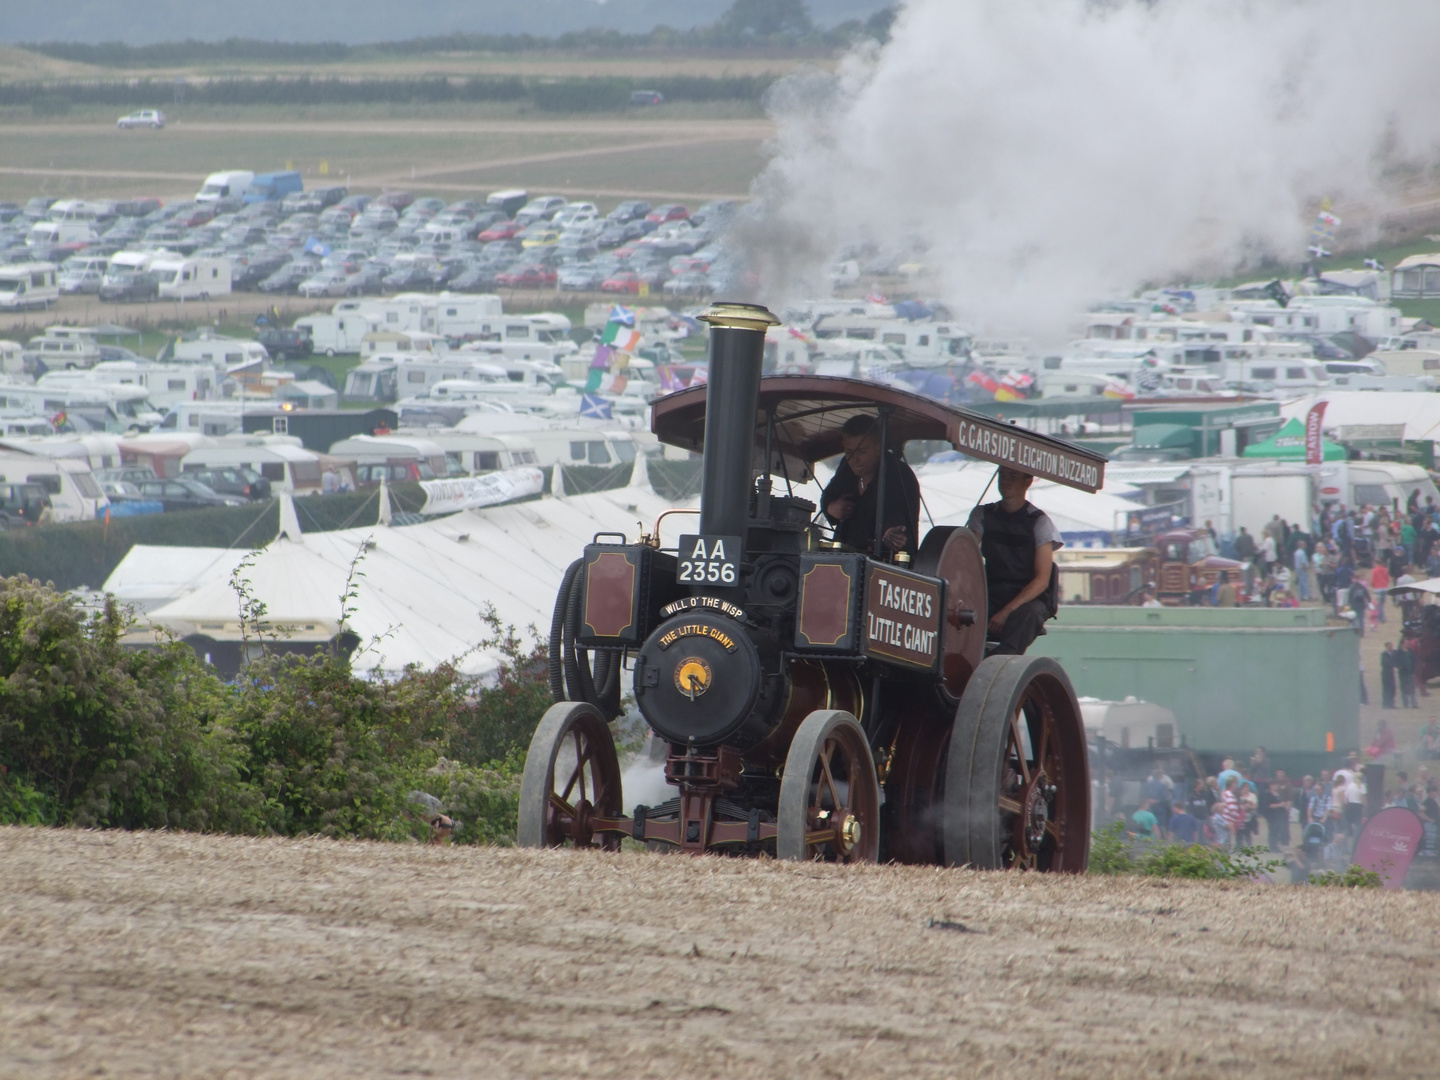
(1036, 813)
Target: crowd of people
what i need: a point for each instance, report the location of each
(1347, 557)
(1320, 813)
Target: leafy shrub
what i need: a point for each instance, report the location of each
(93, 734)
(1353, 876)
(1112, 851)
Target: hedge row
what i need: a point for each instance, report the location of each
(83, 554)
(97, 735)
(558, 95)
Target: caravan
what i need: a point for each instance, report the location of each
(193, 278)
(72, 490)
(334, 334)
(28, 285)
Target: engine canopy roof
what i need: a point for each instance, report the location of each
(810, 410)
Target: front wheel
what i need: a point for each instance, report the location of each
(829, 795)
(1017, 779)
(572, 774)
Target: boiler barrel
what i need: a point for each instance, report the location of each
(737, 353)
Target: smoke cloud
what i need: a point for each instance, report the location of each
(1051, 152)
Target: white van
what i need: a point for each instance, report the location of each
(50, 233)
(131, 262)
(61, 348)
(28, 285)
(74, 494)
(334, 334)
(80, 210)
(224, 185)
(197, 278)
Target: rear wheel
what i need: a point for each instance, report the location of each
(572, 774)
(1017, 780)
(829, 795)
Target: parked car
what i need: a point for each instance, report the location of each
(581, 277)
(396, 200)
(626, 281)
(646, 97)
(284, 343)
(689, 283)
(542, 208)
(145, 118)
(328, 282)
(288, 277)
(528, 276)
(181, 493)
(231, 480)
(668, 212)
(130, 286)
(130, 474)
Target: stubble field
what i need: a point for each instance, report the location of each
(168, 955)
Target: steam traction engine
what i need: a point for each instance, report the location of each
(818, 702)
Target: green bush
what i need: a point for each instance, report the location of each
(1113, 851)
(1352, 877)
(93, 734)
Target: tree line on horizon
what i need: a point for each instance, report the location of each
(747, 24)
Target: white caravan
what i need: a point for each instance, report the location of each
(335, 334)
(471, 454)
(194, 278)
(28, 285)
(74, 495)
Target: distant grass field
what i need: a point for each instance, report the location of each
(16, 64)
(687, 150)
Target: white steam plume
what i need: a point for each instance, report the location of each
(1051, 152)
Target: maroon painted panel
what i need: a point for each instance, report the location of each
(826, 601)
(611, 579)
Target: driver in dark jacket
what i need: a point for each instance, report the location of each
(1019, 543)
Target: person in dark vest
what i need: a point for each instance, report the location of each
(1019, 543)
(850, 497)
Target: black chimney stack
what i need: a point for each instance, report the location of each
(737, 353)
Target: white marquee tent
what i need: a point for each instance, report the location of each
(424, 586)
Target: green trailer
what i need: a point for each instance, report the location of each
(1282, 678)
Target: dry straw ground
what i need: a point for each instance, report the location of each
(187, 956)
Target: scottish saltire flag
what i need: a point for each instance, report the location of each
(595, 407)
(623, 315)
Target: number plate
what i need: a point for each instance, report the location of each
(708, 560)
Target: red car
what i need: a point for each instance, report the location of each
(200, 215)
(627, 281)
(530, 276)
(504, 230)
(668, 212)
